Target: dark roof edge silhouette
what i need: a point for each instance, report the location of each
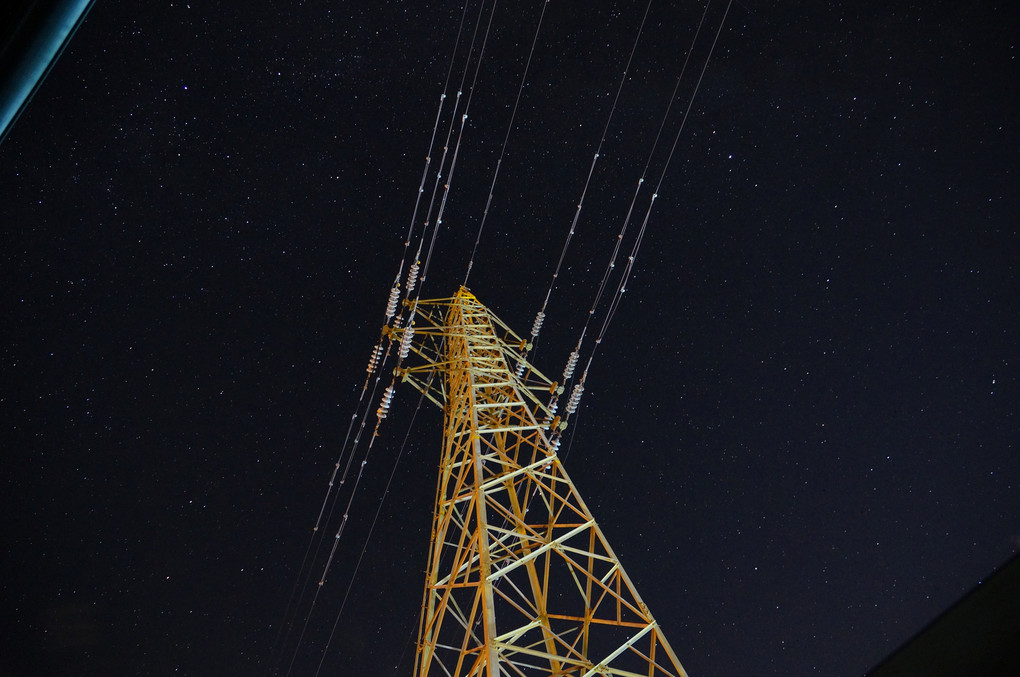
(978, 635)
(33, 35)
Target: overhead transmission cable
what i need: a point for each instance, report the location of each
(376, 361)
(392, 308)
(432, 141)
(460, 137)
(413, 274)
(404, 345)
(644, 223)
(347, 450)
(371, 530)
(506, 140)
(621, 288)
(336, 539)
(380, 415)
(572, 360)
(644, 173)
(540, 317)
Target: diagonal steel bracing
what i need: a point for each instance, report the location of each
(521, 581)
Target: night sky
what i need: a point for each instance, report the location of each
(800, 434)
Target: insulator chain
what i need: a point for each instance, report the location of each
(571, 364)
(575, 398)
(555, 445)
(391, 305)
(412, 278)
(384, 404)
(520, 369)
(535, 328)
(405, 342)
(552, 412)
(373, 361)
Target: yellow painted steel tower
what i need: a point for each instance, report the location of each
(521, 579)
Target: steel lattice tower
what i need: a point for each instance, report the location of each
(521, 579)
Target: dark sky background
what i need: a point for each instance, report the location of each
(800, 435)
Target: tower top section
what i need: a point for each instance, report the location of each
(520, 579)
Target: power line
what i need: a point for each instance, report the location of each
(506, 140)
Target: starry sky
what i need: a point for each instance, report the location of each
(800, 434)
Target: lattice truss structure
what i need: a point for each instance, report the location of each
(521, 579)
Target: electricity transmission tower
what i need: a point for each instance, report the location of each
(521, 580)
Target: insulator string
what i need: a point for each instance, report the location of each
(412, 276)
(568, 371)
(391, 304)
(417, 274)
(374, 362)
(537, 326)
